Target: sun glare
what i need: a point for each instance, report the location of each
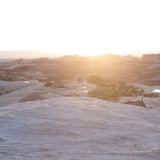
(86, 27)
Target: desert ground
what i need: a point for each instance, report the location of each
(22, 91)
(46, 113)
(65, 128)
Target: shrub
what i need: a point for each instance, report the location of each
(48, 84)
(114, 90)
(151, 95)
(95, 79)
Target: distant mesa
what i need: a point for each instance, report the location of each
(151, 57)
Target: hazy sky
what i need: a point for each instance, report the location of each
(85, 27)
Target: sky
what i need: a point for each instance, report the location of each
(80, 27)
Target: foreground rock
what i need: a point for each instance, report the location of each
(68, 128)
